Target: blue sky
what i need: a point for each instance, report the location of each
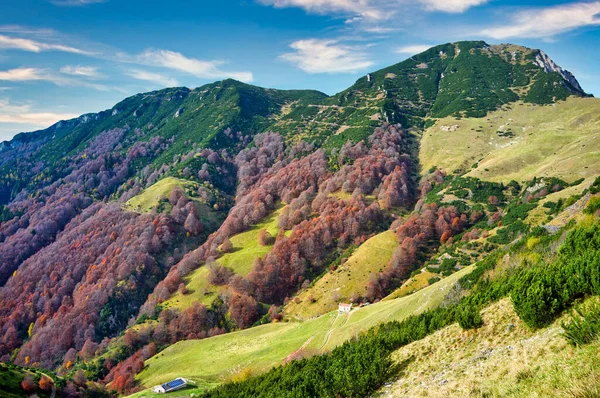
(63, 58)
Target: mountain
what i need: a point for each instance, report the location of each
(184, 222)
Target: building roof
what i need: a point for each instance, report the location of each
(174, 384)
(342, 305)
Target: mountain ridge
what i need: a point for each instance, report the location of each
(537, 57)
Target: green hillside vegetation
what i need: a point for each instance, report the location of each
(465, 79)
(240, 260)
(155, 198)
(12, 375)
(419, 281)
(348, 280)
(502, 358)
(200, 114)
(216, 359)
(519, 142)
(542, 279)
(152, 196)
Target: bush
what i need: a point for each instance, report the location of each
(468, 317)
(433, 280)
(593, 205)
(543, 291)
(595, 188)
(536, 298)
(584, 325)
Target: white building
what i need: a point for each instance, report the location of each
(344, 307)
(173, 385)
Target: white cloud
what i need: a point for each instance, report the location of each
(78, 70)
(26, 30)
(413, 49)
(35, 74)
(17, 43)
(76, 2)
(24, 75)
(22, 114)
(326, 56)
(373, 10)
(548, 22)
(152, 77)
(177, 61)
(365, 8)
(451, 6)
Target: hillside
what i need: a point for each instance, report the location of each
(255, 350)
(212, 232)
(518, 142)
(502, 358)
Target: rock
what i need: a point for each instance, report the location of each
(544, 62)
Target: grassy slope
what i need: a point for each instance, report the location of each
(215, 359)
(245, 250)
(558, 140)
(503, 358)
(412, 285)
(150, 197)
(351, 277)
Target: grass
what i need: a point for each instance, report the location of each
(503, 358)
(538, 215)
(150, 197)
(245, 250)
(10, 381)
(216, 359)
(350, 278)
(559, 140)
(412, 285)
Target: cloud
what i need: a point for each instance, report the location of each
(35, 74)
(24, 75)
(152, 77)
(22, 114)
(326, 56)
(71, 3)
(548, 22)
(413, 49)
(177, 61)
(78, 70)
(26, 30)
(372, 10)
(17, 43)
(451, 6)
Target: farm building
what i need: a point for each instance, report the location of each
(173, 385)
(344, 307)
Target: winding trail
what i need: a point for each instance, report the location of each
(334, 328)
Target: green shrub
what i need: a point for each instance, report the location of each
(593, 205)
(433, 280)
(468, 317)
(584, 324)
(595, 188)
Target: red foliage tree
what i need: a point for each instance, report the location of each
(243, 310)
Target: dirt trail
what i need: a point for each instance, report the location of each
(334, 328)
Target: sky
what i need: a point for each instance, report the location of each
(63, 58)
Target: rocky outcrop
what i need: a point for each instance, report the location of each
(545, 62)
